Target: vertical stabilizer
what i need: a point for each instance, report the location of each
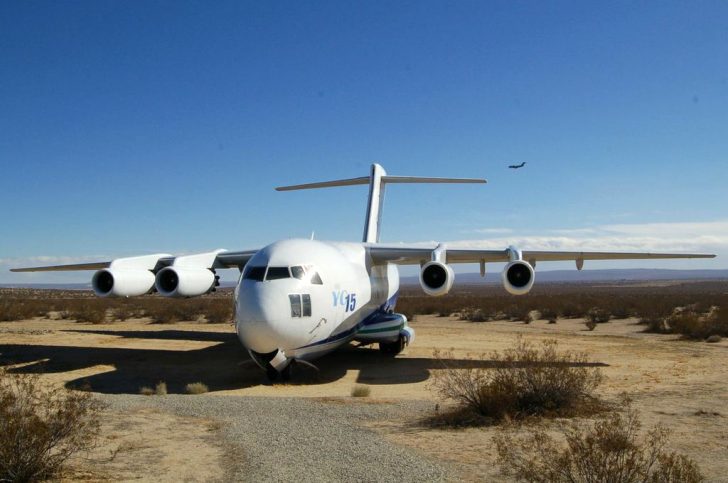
(374, 205)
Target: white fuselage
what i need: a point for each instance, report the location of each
(304, 298)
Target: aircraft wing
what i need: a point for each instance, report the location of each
(404, 255)
(221, 259)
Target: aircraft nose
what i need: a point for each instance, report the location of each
(263, 315)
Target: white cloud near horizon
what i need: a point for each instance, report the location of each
(699, 237)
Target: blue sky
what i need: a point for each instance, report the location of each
(140, 127)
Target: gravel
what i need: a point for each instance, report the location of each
(292, 439)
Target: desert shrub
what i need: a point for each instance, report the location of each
(360, 390)
(219, 311)
(523, 381)
(713, 339)
(597, 315)
(518, 313)
(146, 391)
(196, 388)
(42, 427)
(548, 313)
(474, 315)
(93, 311)
(610, 450)
(160, 389)
(590, 324)
(656, 325)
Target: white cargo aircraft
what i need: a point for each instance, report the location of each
(298, 299)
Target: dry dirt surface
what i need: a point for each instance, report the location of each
(247, 428)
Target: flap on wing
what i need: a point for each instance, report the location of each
(404, 255)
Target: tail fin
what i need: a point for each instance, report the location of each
(376, 180)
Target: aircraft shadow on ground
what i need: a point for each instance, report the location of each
(223, 366)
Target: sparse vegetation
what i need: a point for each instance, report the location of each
(82, 306)
(610, 450)
(523, 381)
(146, 391)
(597, 315)
(360, 390)
(160, 389)
(41, 427)
(196, 388)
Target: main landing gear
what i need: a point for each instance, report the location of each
(393, 348)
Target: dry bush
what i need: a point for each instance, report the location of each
(655, 325)
(160, 389)
(42, 427)
(219, 311)
(695, 325)
(360, 390)
(598, 315)
(146, 391)
(590, 324)
(713, 339)
(523, 381)
(610, 450)
(196, 388)
(93, 311)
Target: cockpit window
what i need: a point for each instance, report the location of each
(298, 272)
(255, 273)
(306, 272)
(276, 273)
(300, 304)
(306, 299)
(316, 279)
(295, 304)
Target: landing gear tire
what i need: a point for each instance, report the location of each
(392, 348)
(286, 373)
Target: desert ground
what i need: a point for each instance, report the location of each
(309, 429)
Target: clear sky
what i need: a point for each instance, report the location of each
(130, 127)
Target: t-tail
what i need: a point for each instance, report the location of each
(377, 180)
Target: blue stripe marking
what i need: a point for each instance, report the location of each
(379, 315)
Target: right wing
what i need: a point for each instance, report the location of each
(409, 255)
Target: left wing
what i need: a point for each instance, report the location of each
(222, 259)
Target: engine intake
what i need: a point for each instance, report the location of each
(436, 278)
(113, 282)
(518, 277)
(185, 282)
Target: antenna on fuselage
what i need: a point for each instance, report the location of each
(376, 180)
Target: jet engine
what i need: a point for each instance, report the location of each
(115, 282)
(436, 278)
(185, 281)
(518, 277)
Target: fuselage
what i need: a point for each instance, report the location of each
(303, 298)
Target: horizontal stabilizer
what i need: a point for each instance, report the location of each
(384, 180)
(326, 184)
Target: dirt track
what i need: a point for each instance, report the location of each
(680, 384)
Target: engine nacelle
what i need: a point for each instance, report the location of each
(436, 278)
(184, 281)
(518, 277)
(116, 282)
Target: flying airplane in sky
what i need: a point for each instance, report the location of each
(517, 166)
(297, 299)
